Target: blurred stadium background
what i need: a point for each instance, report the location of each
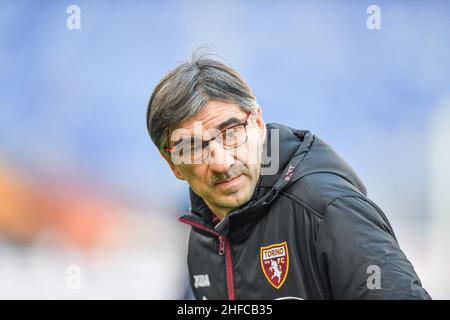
(82, 185)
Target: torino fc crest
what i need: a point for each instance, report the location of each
(275, 263)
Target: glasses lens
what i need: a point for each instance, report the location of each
(196, 152)
(234, 137)
(188, 152)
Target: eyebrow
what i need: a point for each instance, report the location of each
(181, 139)
(228, 122)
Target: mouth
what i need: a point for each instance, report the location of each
(229, 181)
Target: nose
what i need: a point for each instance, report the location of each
(219, 159)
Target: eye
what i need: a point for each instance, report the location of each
(196, 148)
(229, 133)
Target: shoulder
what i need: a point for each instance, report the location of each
(318, 190)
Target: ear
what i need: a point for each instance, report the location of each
(176, 171)
(259, 119)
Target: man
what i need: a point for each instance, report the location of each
(275, 212)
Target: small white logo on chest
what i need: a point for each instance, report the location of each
(201, 281)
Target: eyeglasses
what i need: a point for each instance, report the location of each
(193, 150)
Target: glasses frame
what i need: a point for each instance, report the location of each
(205, 143)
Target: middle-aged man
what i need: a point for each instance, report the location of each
(275, 212)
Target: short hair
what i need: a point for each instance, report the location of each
(185, 90)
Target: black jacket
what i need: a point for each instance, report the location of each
(309, 232)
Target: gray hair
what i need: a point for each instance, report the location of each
(185, 90)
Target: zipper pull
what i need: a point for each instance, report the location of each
(221, 245)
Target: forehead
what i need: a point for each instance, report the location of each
(212, 115)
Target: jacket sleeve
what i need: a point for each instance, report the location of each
(359, 256)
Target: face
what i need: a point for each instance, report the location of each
(227, 178)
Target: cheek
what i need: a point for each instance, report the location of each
(250, 153)
(196, 176)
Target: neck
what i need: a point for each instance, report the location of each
(220, 213)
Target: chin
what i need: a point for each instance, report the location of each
(235, 200)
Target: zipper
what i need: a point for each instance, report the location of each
(221, 245)
(224, 249)
(229, 269)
